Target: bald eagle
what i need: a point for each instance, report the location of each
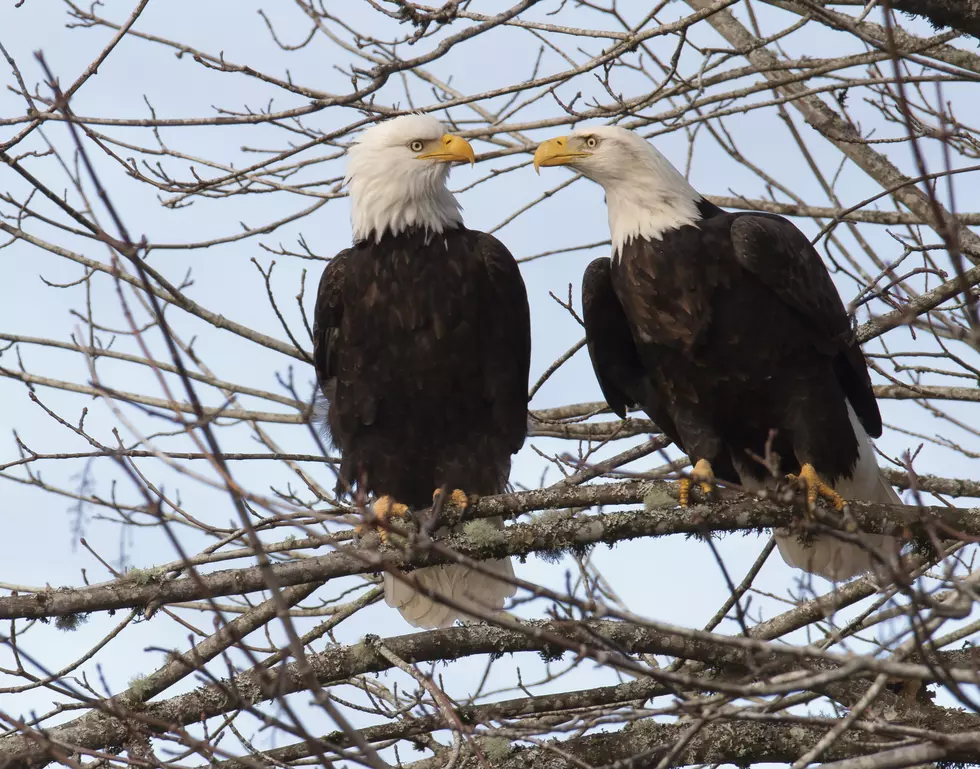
(421, 340)
(724, 327)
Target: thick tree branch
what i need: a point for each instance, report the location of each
(108, 725)
(644, 743)
(554, 534)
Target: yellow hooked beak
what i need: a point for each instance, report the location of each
(556, 152)
(448, 149)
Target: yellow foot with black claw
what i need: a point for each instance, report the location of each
(456, 498)
(384, 508)
(816, 487)
(703, 475)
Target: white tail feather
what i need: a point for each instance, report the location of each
(485, 594)
(828, 556)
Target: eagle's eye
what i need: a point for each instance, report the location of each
(591, 142)
(416, 146)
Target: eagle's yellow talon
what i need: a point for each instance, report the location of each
(384, 508)
(456, 498)
(705, 477)
(815, 487)
(684, 491)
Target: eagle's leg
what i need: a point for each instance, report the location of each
(456, 498)
(384, 508)
(816, 487)
(705, 478)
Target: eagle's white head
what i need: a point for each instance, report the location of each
(396, 174)
(645, 194)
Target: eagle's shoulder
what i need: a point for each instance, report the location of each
(782, 257)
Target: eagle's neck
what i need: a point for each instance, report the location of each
(633, 217)
(648, 200)
(394, 204)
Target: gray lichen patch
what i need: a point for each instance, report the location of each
(141, 576)
(483, 533)
(139, 688)
(590, 531)
(69, 622)
(496, 749)
(548, 517)
(658, 499)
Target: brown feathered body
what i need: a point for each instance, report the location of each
(730, 334)
(422, 348)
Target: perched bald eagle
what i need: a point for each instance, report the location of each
(421, 340)
(722, 327)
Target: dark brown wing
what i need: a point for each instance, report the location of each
(327, 315)
(505, 337)
(615, 359)
(781, 256)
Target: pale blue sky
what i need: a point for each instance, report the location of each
(38, 546)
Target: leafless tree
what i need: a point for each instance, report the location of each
(158, 387)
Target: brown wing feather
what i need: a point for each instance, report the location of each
(506, 339)
(782, 257)
(615, 360)
(327, 315)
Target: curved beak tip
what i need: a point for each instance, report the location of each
(452, 149)
(539, 155)
(459, 147)
(552, 152)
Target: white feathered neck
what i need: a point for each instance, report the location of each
(390, 189)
